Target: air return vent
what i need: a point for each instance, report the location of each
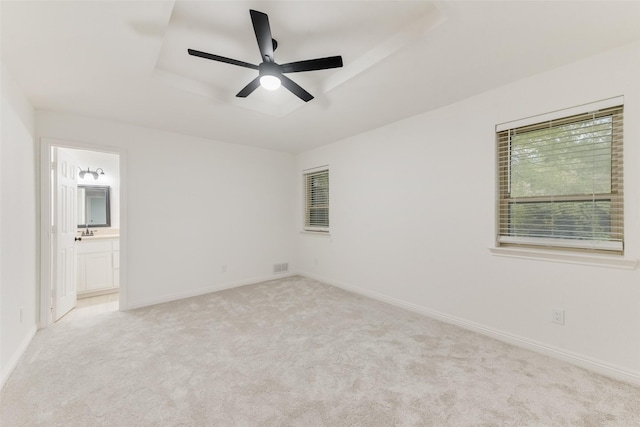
(281, 268)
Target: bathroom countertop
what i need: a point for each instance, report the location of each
(99, 237)
(100, 234)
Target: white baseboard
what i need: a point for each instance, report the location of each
(201, 291)
(598, 366)
(7, 370)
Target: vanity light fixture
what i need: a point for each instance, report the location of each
(95, 173)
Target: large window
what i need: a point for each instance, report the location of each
(316, 200)
(560, 183)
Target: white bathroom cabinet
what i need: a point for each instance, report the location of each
(98, 265)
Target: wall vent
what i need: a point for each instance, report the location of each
(281, 268)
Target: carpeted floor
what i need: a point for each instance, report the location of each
(295, 352)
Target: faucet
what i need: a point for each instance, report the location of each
(87, 232)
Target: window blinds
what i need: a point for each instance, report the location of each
(560, 182)
(317, 201)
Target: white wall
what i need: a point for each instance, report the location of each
(412, 221)
(194, 206)
(18, 226)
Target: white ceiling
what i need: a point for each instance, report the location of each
(127, 60)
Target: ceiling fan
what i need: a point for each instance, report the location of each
(270, 74)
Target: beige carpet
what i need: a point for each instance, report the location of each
(295, 352)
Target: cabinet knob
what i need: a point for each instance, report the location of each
(77, 239)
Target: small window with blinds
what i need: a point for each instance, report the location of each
(316, 201)
(560, 183)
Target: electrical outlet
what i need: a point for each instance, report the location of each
(21, 314)
(223, 269)
(557, 316)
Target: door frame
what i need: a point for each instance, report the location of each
(46, 269)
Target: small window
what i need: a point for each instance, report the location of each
(560, 183)
(316, 201)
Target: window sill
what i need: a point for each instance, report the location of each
(316, 233)
(611, 261)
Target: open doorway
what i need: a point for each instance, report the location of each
(81, 244)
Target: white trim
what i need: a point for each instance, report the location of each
(7, 369)
(205, 290)
(558, 114)
(586, 362)
(317, 230)
(44, 318)
(603, 245)
(315, 169)
(611, 261)
(315, 233)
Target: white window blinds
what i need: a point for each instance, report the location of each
(560, 182)
(316, 201)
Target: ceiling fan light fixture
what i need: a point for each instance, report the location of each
(270, 82)
(271, 75)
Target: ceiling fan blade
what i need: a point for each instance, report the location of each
(263, 34)
(246, 91)
(295, 88)
(221, 59)
(312, 64)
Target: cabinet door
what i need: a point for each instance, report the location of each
(116, 263)
(98, 270)
(82, 273)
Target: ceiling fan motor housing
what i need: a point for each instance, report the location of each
(269, 69)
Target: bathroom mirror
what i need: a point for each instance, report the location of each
(94, 209)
